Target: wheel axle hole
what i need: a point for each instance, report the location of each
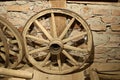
(55, 47)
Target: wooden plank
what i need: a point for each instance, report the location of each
(59, 21)
(95, 3)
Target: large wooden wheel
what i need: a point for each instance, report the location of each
(53, 53)
(11, 44)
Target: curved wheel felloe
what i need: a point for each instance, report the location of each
(11, 44)
(53, 53)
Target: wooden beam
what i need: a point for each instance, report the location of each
(58, 3)
(95, 3)
(59, 20)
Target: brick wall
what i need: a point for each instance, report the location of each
(104, 21)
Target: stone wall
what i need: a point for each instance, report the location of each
(104, 21)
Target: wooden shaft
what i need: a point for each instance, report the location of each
(16, 73)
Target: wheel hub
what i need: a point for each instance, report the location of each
(55, 47)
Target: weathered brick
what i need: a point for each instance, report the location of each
(101, 50)
(17, 22)
(2, 9)
(100, 38)
(112, 44)
(96, 24)
(21, 2)
(115, 27)
(17, 7)
(20, 29)
(86, 12)
(116, 12)
(101, 11)
(85, 9)
(99, 27)
(110, 19)
(115, 39)
(4, 15)
(37, 9)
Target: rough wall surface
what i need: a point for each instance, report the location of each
(104, 21)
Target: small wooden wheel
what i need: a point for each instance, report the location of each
(14, 49)
(4, 54)
(53, 53)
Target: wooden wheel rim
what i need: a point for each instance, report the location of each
(19, 42)
(60, 11)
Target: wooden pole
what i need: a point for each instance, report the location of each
(16, 73)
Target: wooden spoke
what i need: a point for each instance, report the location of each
(74, 37)
(46, 59)
(54, 30)
(2, 49)
(38, 39)
(59, 62)
(71, 62)
(43, 29)
(3, 56)
(10, 33)
(1, 43)
(66, 29)
(13, 41)
(37, 50)
(10, 51)
(70, 57)
(75, 48)
(13, 53)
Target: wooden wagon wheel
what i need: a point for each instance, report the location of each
(53, 53)
(14, 41)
